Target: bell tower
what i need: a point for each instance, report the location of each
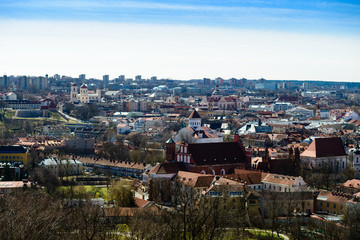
(195, 120)
(73, 93)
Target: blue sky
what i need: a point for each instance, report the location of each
(310, 40)
(324, 16)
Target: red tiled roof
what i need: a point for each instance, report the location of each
(281, 179)
(168, 168)
(325, 147)
(353, 183)
(195, 179)
(217, 153)
(141, 202)
(194, 114)
(333, 197)
(249, 176)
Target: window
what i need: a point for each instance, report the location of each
(327, 204)
(334, 205)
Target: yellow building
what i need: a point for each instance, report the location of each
(332, 202)
(13, 154)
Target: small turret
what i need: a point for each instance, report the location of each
(195, 120)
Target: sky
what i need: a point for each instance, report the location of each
(275, 39)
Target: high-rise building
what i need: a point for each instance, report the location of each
(23, 82)
(4, 81)
(122, 78)
(206, 82)
(105, 80)
(154, 78)
(220, 81)
(137, 77)
(82, 76)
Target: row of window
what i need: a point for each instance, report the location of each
(11, 157)
(274, 188)
(328, 205)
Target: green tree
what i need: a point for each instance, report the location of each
(122, 192)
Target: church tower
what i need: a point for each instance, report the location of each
(84, 95)
(210, 108)
(195, 120)
(98, 93)
(216, 93)
(73, 93)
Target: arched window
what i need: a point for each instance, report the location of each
(212, 172)
(178, 158)
(203, 172)
(222, 172)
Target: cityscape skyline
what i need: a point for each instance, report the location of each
(300, 40)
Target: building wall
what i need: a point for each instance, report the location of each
(338, 163)
(330, 207)
(14, 157)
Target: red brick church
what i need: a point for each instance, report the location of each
(209, 158)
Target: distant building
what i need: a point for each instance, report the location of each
(7, 187)
(327, 153)
(84, 96)
(80, 144)
(9, 96)
(195, 133)
(122, 128)
(63, 167)
(281, 106)
(82, 76)
(283, 183)
(218, 158)
(206, 82)
(332, 202)
(106, 80)
(354, 156)
(23, 104)
(13, 153)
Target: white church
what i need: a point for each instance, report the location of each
(84, 96)
(196, 133)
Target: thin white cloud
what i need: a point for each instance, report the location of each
(247, 10)
(178, 52)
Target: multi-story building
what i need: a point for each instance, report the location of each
(332, 202)
(105, 80)
(283, 183)
(325, 153)
(23, 104)
(119, 168)
(13, 153)
(63, 167)
(84, 96)
(196, 133)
